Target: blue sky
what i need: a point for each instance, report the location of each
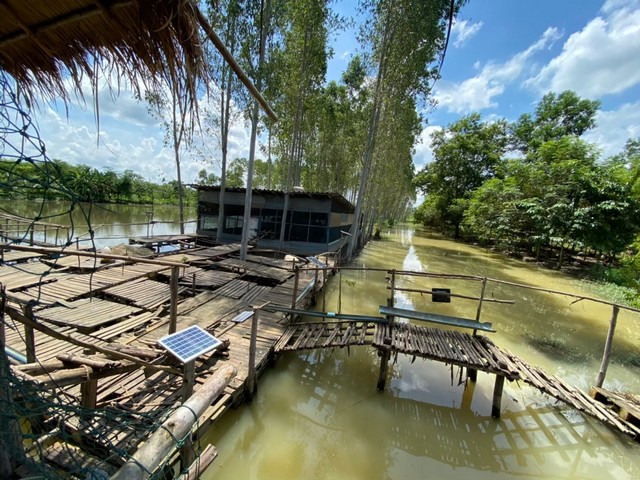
(503, 57)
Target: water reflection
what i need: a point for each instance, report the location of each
(318, 415)
(112, 223)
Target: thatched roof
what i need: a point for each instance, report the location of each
(44, 42)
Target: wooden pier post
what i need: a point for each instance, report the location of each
(606, 356)
(472, 374)
(162, 442)
(89, 393)
(187, 454)
(294, 297)
(251, 377)
(497, 396)
(173, 306)
(385, 355)
(29, 335)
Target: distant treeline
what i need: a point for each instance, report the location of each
(60, 180)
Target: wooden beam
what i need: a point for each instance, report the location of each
(173, 306)
(80, 253)
(18, 316)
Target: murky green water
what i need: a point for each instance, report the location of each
(318, 415)
(112, 223)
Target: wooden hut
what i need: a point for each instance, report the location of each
(315, 222)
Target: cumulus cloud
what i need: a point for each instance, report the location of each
(463, 30)
(603, 58)
(478, 92)
(129, 138)
(423, 152)
(615, 127)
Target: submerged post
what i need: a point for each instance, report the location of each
(497, 396)
(385, 354)
(606, 356)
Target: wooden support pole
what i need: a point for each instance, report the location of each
(89, 392)
(324, 289)
(296, 281)
(162, 442)
(497, 396)
(606, 356)
(196, 469)
(251, 378)
(29, 335)
(187, 454)
(472, 373)
(173, 306)
(385, 354)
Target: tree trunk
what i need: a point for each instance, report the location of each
(371, 141)
(264, 21)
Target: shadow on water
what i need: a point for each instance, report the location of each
(318, 414)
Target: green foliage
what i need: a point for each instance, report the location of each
(82, 183)
(467, 153)
(555, 117)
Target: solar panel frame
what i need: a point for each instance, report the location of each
(188, 344)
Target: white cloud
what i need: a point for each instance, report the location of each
(614, 128)
(463, 31)
(477, 93)
(345, 55)
(602, 58)
(424, 153)
(129, 138)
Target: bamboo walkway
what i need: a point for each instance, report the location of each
(97, 326)
(453, 347)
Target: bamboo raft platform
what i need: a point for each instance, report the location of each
(117, 313)
(95, 335)
(472, 352)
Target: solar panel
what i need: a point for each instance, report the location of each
(317, 262)
(190, 343)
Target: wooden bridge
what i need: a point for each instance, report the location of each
(469, 351)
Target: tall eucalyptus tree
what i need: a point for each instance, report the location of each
(405, 38)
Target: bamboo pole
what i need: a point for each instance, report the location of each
(20, 317)
(57, 251)
(163, 441)
(456, 295)
(606, 356)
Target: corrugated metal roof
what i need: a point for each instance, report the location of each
(335, 197)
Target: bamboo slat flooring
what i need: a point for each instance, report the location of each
(9, 256)
(255, 269)
(143, 293)
(86, 314)
(313, 335)
(17, 277)
(204, 278)
(76, 285)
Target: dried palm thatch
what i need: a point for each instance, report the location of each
(45, 42)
